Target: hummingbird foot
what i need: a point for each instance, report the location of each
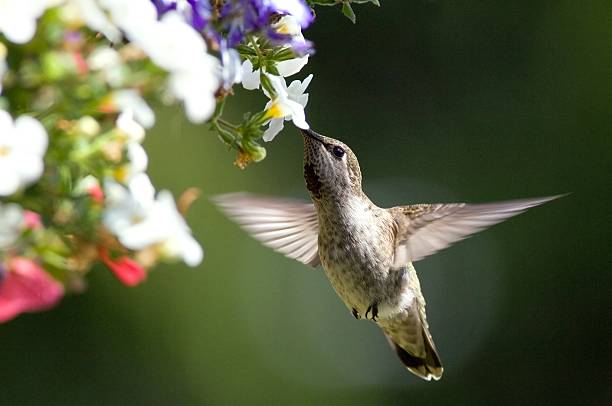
(374, 310)
(356, 314)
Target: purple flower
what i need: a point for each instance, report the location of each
(239, 18)
(297, 8)
(242, 17)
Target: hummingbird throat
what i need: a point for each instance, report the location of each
(312, 181)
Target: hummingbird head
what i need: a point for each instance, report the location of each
(331, 169)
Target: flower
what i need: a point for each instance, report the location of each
(32, 220)
(128, 271)
(250, 77)
(90, 186)
(11, 224)
(140, 220)
(75, 12)
(231, 68)
(241, 18)
(18, 18)
(108, 61)
(27, 288)
(194, 74)
(23, 144)
(287, 104)
(130, 100)
(286, 26)
(298, 9)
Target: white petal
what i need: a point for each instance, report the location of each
(291, 66)
(96, 19)
(297, 88)
(190, 251)
(19, 29)
(6, 123)
(298, 116)
(279, 85)
(9, 181)
(142, 189)
(138, 158)
(126, 123)
(31, 134)
(276, 125)
(130, 99)
(250, 78)
(28, 167)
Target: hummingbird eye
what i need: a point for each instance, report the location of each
(338, 151)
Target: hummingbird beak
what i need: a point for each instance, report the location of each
(311, 134)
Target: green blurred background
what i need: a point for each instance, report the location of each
(442, 101)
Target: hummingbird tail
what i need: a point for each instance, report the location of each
(409, 337)
(426, 368)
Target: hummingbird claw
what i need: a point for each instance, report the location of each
(356, 314)
(374, 309)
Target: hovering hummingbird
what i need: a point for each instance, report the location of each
(366, 251)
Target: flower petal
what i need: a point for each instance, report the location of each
(250, 78)
(276, 125)
(27, 288)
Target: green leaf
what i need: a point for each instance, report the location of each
(347, 10)
(375, 2)
(323, 2)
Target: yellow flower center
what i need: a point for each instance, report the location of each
(275, 111)
(121, 173)
(4, 150)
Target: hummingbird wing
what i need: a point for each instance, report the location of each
(287, 226)
(408, 334)
(424, 229)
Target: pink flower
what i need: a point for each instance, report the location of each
(96, 193)
(128, 271)
(27, 288)
(32, 220)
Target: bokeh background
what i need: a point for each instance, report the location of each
(441, 101)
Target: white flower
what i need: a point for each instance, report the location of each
(18, 18)
(194, 74)
(288, 104)
(196, 87)
(171, 43)
(128, 126)
(23, 144)
(136, 155)
(289, 25)
(85, 185)
(286, 25)
(76, 12)
(134, 17)
(130, 100)
(231, 67)
(11, 224)
(140, 220)
(250, 77)
(108, 60)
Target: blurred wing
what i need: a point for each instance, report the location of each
(287, 226)
(424, 229)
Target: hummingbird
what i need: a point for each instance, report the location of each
(367, 252)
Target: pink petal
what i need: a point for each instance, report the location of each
(32, 220)
(128, 271)
(96, 193)
(27, 288)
